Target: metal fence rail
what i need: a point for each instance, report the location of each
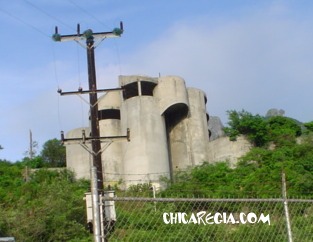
(204, 219)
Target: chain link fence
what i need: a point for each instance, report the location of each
(196, 219)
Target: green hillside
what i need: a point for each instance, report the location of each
(48, 205)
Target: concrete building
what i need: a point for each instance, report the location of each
(168, 126)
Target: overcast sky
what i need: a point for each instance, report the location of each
(252, 55)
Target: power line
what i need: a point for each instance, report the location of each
(88, 13)
(24, 22)
(105, 25)
(49, 15)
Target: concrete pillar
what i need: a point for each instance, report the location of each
(145, 157)
(198, 135)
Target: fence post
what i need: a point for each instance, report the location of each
(284, 191)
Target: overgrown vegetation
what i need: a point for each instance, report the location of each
(278, 148)
(263, 130)
(48, 205)
(281, 144)
(257, 175)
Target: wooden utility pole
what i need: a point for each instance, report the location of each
(89, 38)
(96, 170)
(93, 98)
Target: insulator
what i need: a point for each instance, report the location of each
(78, 29)
(56, 37)
(88, 33)
(84, 136)
(128, 134)
(62, 136)
(117, 31)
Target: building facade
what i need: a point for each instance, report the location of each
(168, 125)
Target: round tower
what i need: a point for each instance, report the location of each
(174, 106)
(145, 157)
(197, 126)
(109, 126)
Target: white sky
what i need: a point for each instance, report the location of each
(252, 55)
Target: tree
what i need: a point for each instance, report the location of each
(34, 162)
(260, 130)
(309, 126)
(49, 207)
(283, 130)
(53, 153)
(252, 126)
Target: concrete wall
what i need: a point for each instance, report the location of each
(222, 149)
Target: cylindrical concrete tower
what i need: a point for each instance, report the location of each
(174, 105)
(145, 157)
(110, 125)
(197, 126)
(172, 95)
(78, 159)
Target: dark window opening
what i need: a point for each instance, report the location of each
(109, 114)
(210, 133)
(130, 90)
(205, 99)
(147, 88)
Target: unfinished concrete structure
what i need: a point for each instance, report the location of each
(168, 126)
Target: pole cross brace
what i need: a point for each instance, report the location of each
(107, 144)
(108, 140)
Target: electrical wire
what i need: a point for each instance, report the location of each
(55, 68)
(24, 22)
(105, 25)
(48, 14)
(53, 51)
(88, 13)
(80, 86)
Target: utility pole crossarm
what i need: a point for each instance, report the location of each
(81, 91)
(116, 32)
